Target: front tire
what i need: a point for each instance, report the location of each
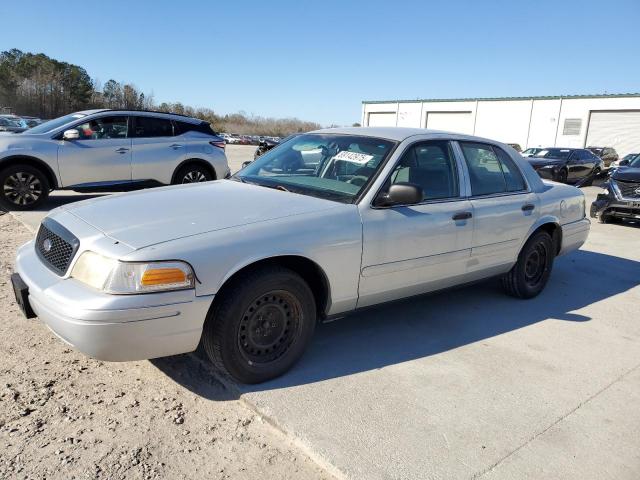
(530, 274)
(261, 325)
(23, 187)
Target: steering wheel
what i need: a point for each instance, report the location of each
(358, 180)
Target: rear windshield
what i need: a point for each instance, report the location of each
(554, 153)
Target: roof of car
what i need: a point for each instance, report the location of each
(390, 133)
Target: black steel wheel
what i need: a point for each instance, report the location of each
(23, 187)
(530, 274)
(269, 326)
(260, 324)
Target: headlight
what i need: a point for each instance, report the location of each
(548, 166)
(114, 276)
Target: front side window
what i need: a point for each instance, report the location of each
(153, 127)
(332, 166)
(103, 128)
(431, 166)
(491, 170)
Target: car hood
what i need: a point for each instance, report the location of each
(626, 174)
(538, 162)
(153, 216)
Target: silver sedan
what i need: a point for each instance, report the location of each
(324, 224)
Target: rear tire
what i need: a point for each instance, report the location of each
(193, 173)
(530, 274)
(261, 325)
(23, 187)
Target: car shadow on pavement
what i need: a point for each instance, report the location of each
(431, 324)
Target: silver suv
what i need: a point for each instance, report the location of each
(107, 150)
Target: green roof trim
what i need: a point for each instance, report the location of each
(493, 99)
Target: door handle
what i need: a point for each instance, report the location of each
(176, 146)
(462, 216)
(527, 207)
(122, 150)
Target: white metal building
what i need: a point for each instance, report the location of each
(564, 121)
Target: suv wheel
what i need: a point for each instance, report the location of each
(261, 326)
(23, 187)
(530, 274)
(193, 173)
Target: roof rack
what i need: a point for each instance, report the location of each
(149, 111)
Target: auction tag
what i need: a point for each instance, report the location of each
(354, 157)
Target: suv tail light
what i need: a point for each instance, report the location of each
(218, 144)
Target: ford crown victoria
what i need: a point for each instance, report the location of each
(319, 226)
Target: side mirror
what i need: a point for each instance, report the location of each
(622, 163)
(72, 134)
(401, 193)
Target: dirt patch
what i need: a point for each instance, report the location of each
(63, 415)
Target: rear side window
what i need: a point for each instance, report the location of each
(153, 127)
(491, 170)
(512, 175)
(184, 127)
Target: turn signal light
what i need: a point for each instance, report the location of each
(163, 276)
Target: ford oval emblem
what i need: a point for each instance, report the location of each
(47, 244)
(637, 191)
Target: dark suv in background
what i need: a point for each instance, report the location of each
(607, 154)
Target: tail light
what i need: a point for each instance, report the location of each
(220, 144)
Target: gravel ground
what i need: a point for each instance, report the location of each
(63, 415)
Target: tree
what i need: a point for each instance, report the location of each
(34, 84)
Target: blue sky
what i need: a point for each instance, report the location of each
(319, 60)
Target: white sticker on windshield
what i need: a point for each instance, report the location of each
(354, 157)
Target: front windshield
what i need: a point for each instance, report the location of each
(56, 122)
(554, 153)
(635, 162)
(335, 167)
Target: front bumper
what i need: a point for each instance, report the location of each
(547, 173)
(606, 205)
(112, 327)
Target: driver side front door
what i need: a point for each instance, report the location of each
(413, 249)
(101, 155)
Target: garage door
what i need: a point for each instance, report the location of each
(620, 130)
(458, 122)
(382, 119)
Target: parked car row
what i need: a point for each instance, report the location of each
(107, 150)
(317, 227)
(17, 124)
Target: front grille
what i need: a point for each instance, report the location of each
(629, 189)
(56, 246)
